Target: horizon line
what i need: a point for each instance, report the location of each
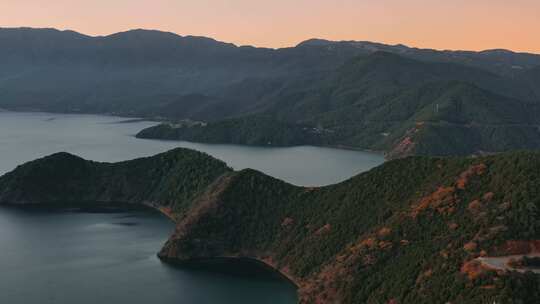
(262, 47)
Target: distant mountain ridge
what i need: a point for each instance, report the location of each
(323, 92)
(391, 103)
(496, 60)
(171, 64)
(42, 42)
(123, 72)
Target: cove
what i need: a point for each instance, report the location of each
(70, 255)
(62, 256)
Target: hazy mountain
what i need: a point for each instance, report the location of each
(323, 92)
(386, 102)
(532, 78)
(56, 70)
(65, 71)
(500, 61)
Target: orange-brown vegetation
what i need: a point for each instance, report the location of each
(442, 197)
(404, 242)
(384, 232)
(385, 245)
(475, 207)
(405, 146)
(424, 276)
(167, 211)
(369, 243)
(473, 269)
(470, 246)
(488, 196)
(453, 226)
(324, 229)
(464, 177)
(490, 287)
(444, 254)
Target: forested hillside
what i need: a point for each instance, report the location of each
(414, 230)
(167, 181)
(388, 103)
(417, 230)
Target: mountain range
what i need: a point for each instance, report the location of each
(364, 95)
(414, 230)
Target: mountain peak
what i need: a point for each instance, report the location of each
(13, 31)
(141, 31)
(315, 42)
(156, 35)
(498, 52)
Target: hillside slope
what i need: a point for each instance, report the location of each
(258, 130)
(409, 231)
(167, 181)
(388, 103)
(532, 78)
(414, 230)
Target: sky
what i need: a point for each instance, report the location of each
(438, 24)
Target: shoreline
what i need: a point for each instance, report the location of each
(202, 263)
(135, 118)
(335, 147)
(213, 264)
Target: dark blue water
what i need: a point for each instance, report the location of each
(69, 257)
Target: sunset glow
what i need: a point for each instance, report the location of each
(457, 24)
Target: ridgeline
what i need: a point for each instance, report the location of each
(392, 98)
(414, 230)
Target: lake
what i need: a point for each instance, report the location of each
(66, 257)
(27, 136)
(73, 256)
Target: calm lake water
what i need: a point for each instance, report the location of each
(27, 136)
(65, 257)
(54, 257)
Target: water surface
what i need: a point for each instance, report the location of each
(26, 136)
(66, 257)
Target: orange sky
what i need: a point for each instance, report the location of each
(440, 24)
